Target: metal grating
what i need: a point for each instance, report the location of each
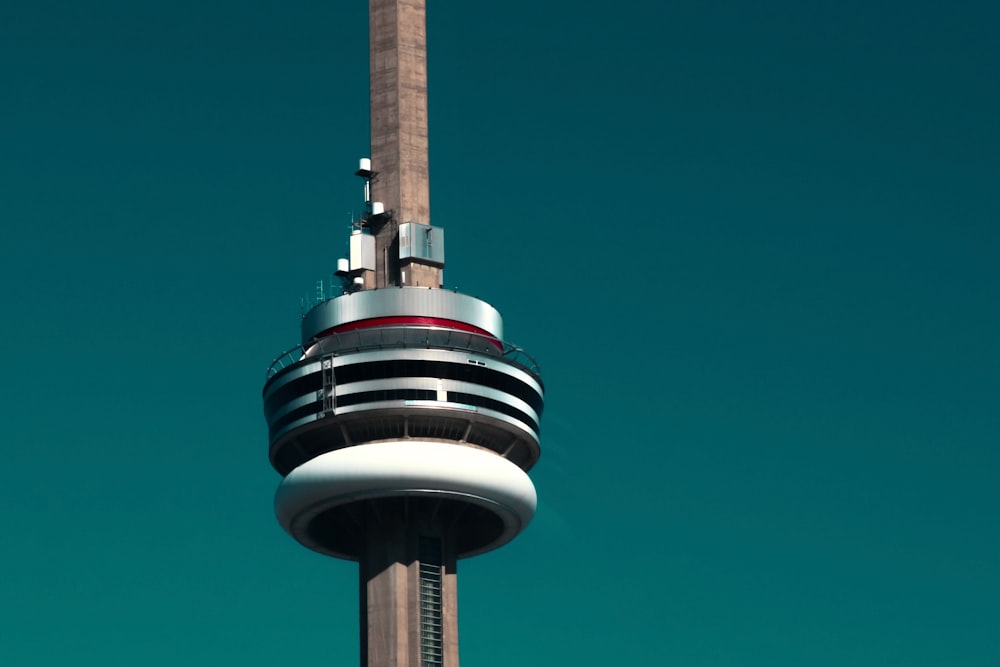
(489, 437)
(383, 428)
(437, 426)
(431, 642)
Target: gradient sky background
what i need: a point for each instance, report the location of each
(754, 248)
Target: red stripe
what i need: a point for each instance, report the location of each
(405, 320)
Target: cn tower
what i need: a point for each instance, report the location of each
(403, 424)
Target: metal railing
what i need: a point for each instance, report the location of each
(407, 337)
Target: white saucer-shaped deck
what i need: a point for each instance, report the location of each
(318, 498)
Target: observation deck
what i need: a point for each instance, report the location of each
(402, 364)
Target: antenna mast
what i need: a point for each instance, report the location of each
(398, 89)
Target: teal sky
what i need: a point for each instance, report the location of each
(754, 248)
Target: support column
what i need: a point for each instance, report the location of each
(408, 589)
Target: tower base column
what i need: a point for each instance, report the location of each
(408, 586)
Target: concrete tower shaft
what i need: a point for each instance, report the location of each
(399, 130)
(403, 424)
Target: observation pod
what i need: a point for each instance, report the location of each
(403, 407)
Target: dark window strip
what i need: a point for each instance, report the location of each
(405, 395)
(386, 395)
(297, 413)
(297, 387)
(396, 368)
(427, 395)
(492, 404)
